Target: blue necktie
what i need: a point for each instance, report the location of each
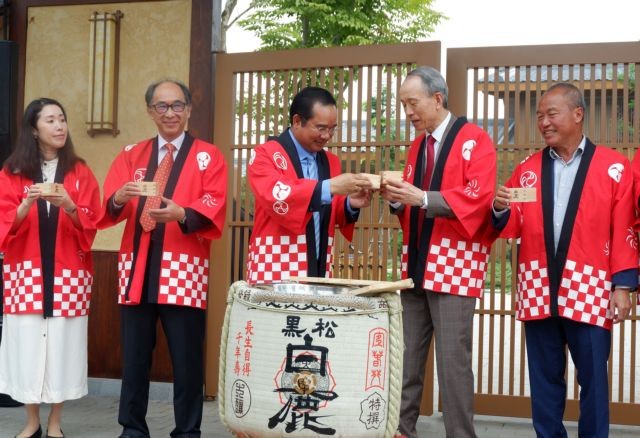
(311, 172)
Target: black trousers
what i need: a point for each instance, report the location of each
(184, 328)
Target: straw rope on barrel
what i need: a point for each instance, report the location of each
(317, 384)
(222, 363)
(396, 349)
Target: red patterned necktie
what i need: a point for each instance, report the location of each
(160, 178)
(428, 170)
(426, 178)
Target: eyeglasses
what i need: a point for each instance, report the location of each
(323, 130)
(176, 107)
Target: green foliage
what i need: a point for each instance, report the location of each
(291, 24)
(499, 277)
(500, 269)
(378, 111)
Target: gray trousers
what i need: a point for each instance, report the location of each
(450, 318)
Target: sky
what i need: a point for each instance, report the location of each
(512, 22)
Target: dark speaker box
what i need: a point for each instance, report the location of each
(8, 93)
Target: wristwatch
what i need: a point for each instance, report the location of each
(184, 218)
(424, 201)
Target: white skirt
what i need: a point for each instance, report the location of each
(43, 360)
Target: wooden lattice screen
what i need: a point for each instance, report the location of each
(497, 88)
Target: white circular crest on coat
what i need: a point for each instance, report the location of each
(467, 147)
(252, 157)
(203, 160)
(280, 161)
(632, 238)
(281, 207)
(409, 171)
(128, 147)
(209, 200)
(528, 179)
(139, 174)
(615, 171)
(472, 189)
(281, 191)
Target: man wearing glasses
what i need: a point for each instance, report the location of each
(300, 194)
(171, 191)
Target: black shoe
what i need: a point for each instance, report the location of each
(36, 434)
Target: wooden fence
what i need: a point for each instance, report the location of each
(497, 88)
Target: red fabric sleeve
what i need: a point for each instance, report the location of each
(471, 199)
(212, 201)
(119, 174)
(83, 189)
(268, 181)
(624, 243)
(11, 195)
(338, 202)
(512, 229)
(636, 184)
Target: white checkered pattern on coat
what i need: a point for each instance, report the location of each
(533, 291)
(329, 267)
(124, 272)
(22, 288)
(184, 280)
(584, 294)
(456, 267)
(72, 293)
(404, 258)
(276, 258)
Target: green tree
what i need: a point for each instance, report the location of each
(292, 24)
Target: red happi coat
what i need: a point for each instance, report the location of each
(452, 252)
(198, 181)
(33, 283)
(278, 247)
(636, 182)
(597, 237)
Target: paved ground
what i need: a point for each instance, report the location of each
(95, 416)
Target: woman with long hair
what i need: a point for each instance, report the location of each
(49, 200)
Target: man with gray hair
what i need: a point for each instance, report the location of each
(442, 204)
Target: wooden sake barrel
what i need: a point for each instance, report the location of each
(304, 361)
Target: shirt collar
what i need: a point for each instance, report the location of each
(438, 133)
(302, 152)
(554, 155)
(177, 142)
